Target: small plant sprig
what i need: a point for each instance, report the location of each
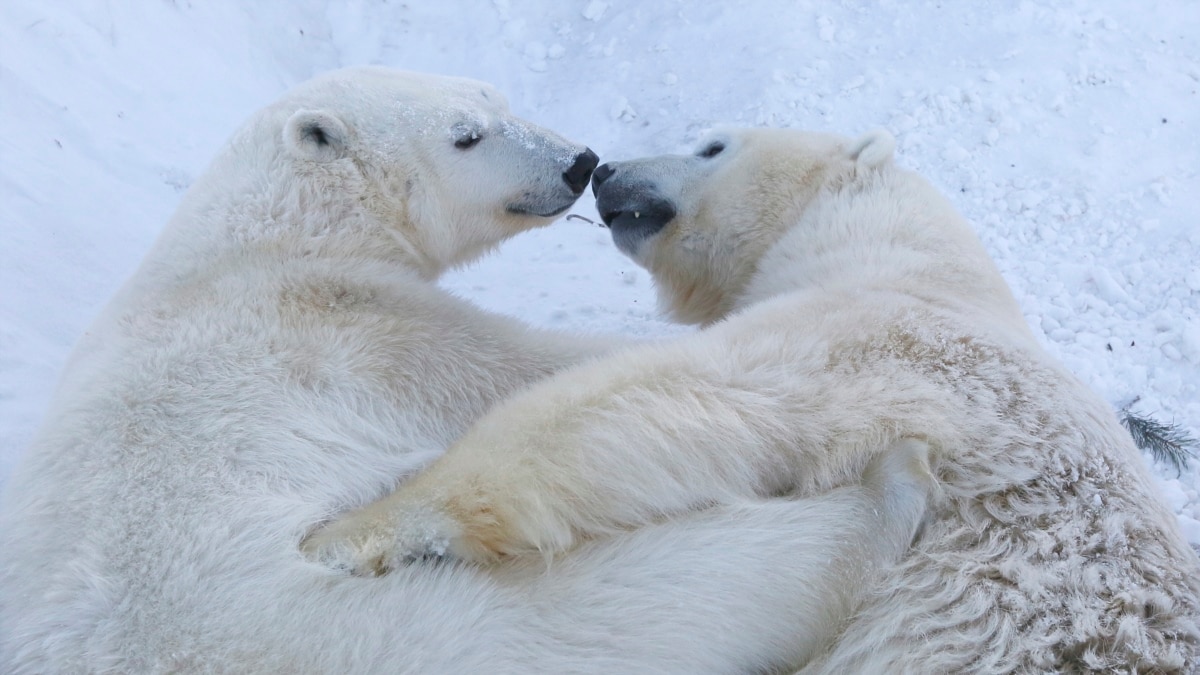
(1167, 443)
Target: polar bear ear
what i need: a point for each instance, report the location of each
(315, 135)
(872, 149)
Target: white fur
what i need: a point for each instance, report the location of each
(847, 305)
(281, 356)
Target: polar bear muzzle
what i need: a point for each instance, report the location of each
(633, 210)
(547, 204)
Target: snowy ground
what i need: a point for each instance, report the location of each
(1066, 131)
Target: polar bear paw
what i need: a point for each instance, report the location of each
(374, 540)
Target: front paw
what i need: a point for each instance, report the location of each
(374, 540)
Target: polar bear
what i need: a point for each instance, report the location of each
(846, 305)
(283, 354)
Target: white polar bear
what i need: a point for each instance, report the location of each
(282, 355)
(846, 305)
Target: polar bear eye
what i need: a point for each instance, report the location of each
(467, 138)
(711, 150)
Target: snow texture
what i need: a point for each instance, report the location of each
(1064, 131)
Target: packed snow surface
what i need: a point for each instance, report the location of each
(1065, 131)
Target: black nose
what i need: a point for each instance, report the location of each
(603, 173)
(577, 176)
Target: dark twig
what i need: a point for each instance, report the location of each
(1167, 443)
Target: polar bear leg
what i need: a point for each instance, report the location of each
(614, 445)
(890, 503)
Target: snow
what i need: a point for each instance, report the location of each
(1064, 132)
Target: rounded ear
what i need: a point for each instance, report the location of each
(315, 135)
(872, 149)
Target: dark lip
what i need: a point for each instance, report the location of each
(522, 211)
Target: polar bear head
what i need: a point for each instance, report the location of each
(439, 164)
(700, 223)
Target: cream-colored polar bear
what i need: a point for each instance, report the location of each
(847, 305)
(283, 355)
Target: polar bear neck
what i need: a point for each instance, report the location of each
(888, 230)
